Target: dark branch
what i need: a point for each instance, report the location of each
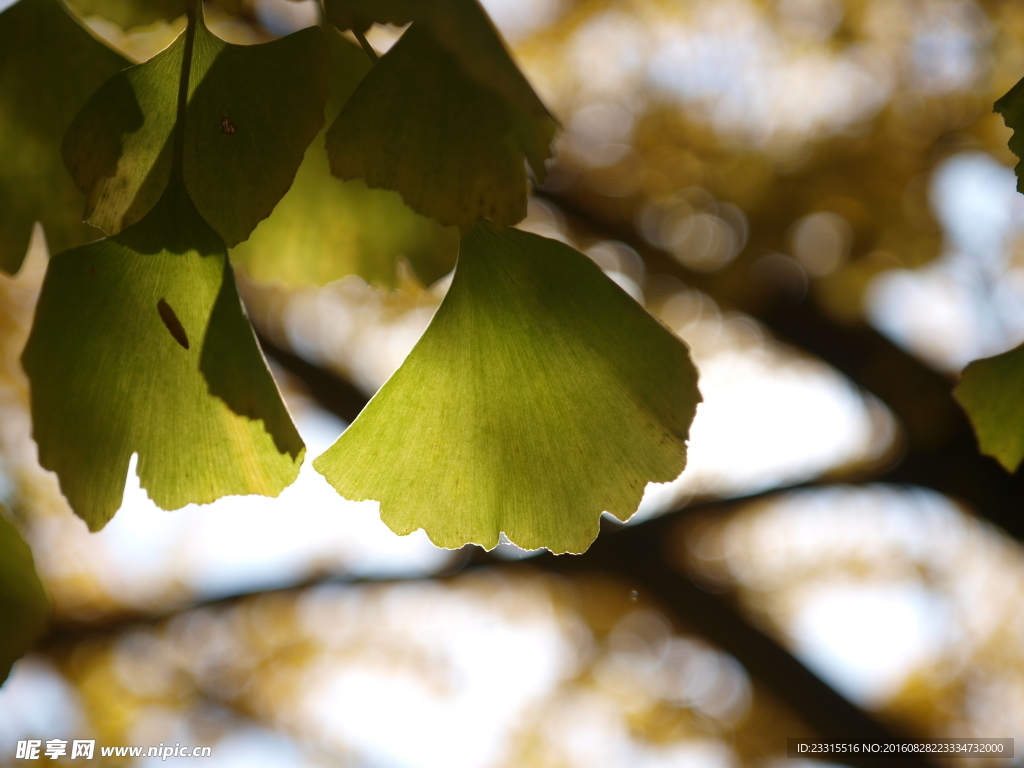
(367, 48)
(941, 451)
(642, 555)
(340, 397)
(637, 555)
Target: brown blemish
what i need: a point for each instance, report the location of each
(172, 322)
(227, 127)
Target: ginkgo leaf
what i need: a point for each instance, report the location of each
(118, 149)
(49, 65)
(1011, 107)
(464, 29)
(252, 111)
(445, 118)
(134, 13)
(420, 126)
(990, 391)
(140, 345)
(23, 603)
(540, 396)
(325, 228)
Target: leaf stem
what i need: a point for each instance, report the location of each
(372, 54)
(178, 156)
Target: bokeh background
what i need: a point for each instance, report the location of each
(816, 196)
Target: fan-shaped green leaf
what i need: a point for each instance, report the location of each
(461, 26)
(325, 228)
(118, 149)
(49, 64)
(990, 391)
(445, 118)
(540, 396)
(419, 125)
(23, 604)
(140, 346)
(252, 111)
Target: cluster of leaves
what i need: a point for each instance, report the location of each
(540, 396)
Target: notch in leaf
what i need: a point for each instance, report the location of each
(118, 149)
(540, 396)
(49, 65)
(445, 118)
(112, 372)
(23, 603)
(1011, 107)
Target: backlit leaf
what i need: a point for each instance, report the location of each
(140, 346)
(990, 391)
(252, 111)
(463, 28)
(445, 118)
(325, 228)
(118, 149)
(23, 604)
(540, 396)
(49, 65)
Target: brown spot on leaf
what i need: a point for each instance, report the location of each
(172, 322)
(227, 127)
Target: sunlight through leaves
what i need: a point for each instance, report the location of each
(140, 346)
(540, 396)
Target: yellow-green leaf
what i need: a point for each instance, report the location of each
(990, 390)
(23, 604)
(140, 345)
(325, 228)
(252, 111)
(540, 396)
(445, 118)
(49, 65)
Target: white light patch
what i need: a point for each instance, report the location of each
(518, 18)
(766, 423)
(769, 417)
(254, 748)
(866, 639)
(442, 679)
(282, 17)
(727, 64)
(37, 702)
(969, 303)
(585, 729)
(146, 556)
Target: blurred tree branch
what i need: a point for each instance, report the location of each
(940, 454)
(941, 451)
(641, 555)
